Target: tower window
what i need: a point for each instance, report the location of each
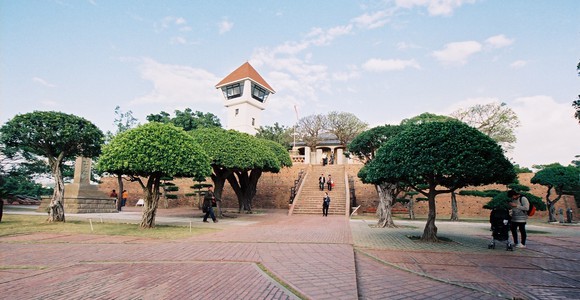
(259, 93)
(233, 90)
(253, 121)
(237, 111)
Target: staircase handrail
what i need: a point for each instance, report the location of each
(300, 186)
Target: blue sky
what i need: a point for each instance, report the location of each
(384, 61)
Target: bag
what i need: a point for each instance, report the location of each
(532, 210)
(204, 209)
(213, 203)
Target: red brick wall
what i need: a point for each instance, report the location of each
(274, 192)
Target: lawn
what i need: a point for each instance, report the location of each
(26, 224)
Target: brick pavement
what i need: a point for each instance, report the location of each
(318, 258)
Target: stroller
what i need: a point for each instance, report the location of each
(500, 220)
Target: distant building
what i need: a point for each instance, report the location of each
(245, 93)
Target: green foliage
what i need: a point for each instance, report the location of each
(170, 196)
(518, 187)
(449, 154)
(520, 170)
(154, 148)
(486, 193)
(277, 133)
(425, 118)
(53, 135)
(236, 150)
(365, 145)
(187, 119)
(501, 200)
(18, 184)
(564, 180)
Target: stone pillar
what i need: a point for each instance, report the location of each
(307, 155)
(318, 157)
(339, 156)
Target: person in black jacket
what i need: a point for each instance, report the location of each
(209, 201)
(325, 204)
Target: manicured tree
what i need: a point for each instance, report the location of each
(559, 179)
(151, 152)
(244, 182)
(445, 156)
(238, 158)
(365, 146)
(57, 136)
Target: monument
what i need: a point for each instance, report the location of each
(81, 196)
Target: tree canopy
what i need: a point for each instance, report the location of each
(187, 119)
(365, 146)
(559, 179)
(240, 159)
(154, 151)
(277, 133)
(58, 137)
(444, 156)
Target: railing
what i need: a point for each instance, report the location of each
(297, 158)
(294, 188)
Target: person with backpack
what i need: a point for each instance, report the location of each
(325, 204)
(209, 202)
(519, 206)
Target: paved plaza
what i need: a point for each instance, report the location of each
(274, 256)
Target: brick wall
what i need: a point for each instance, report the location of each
(274, 192)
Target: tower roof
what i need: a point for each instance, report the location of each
(243, 72)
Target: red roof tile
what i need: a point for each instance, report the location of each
(243, 72)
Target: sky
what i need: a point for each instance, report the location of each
(383, 61)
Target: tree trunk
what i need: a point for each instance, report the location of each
(120, 193)
(151, 201)
(1, 209)
(430, 231)
(56, 206)
(386, 192)
(454, 213)
(244, 184)
(219, 177)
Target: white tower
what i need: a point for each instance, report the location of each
(245, 93)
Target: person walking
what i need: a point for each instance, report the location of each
(321, 181)
(209, 201)
(519, 206)
(329, 183)
(325, 204)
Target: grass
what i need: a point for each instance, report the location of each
(27, 224)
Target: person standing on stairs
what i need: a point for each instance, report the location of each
(321, 181)
(329, 182)
(325, 204)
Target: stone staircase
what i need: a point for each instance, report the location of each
(309, 198)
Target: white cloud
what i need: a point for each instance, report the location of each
(374, 20)
(457, 53)
(405, 46)
(548, 132)
(43, 82)
(170, 22)
(178, 40)
(498, 41)
(225, 26)
(321, 37)
(174, 84)
(384, 65)
(434, 7)
(518, 64)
